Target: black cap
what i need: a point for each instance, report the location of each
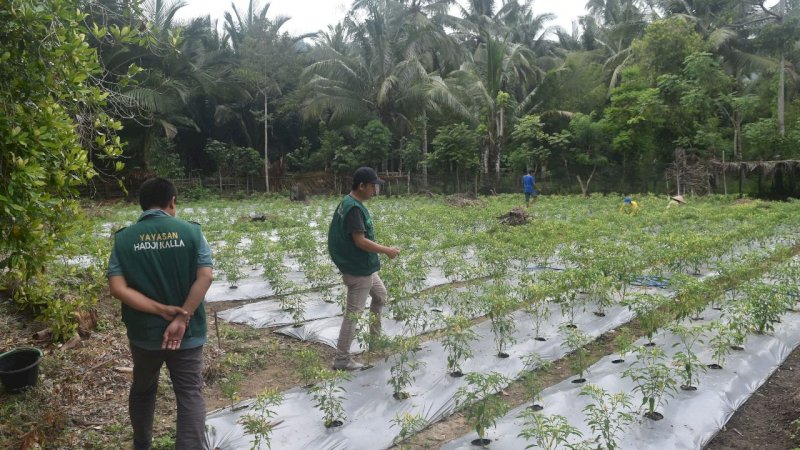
(366, 175)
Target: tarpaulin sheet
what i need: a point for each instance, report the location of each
(254, 286)
(369, 403)
(326, 331)
(691, 418)
(269, 313)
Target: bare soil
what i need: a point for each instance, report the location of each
(766, 420)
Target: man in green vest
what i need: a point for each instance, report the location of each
(352, 246)
(161, 268)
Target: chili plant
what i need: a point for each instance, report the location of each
(600, 293)
(410, 425)
(654, 379)
(693, 295)
(534, 363)
(257, 423)
(647, 308)
(328, 395)
(720, 344)
(686, 359)
(546, 432)
(623, 342)
(535, 301)
(764, 306)
(401, 373)
(309, 364)
(501, 307)
(607, 415)
(415, 317)
(482, 407)
(567, 294)
(739, 322)
(458, 335)
(275, 272)
(575, 342)
(229, 261)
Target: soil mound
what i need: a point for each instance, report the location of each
(462, 200)
(517, 216)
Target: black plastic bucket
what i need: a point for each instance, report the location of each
(19, 368)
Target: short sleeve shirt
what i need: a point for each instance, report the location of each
(355, 222)
(527, 183)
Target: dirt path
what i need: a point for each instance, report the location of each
(765, 420)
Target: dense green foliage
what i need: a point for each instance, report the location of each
(55, 137)
(611, 102)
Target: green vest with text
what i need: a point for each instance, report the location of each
(347, 257)
(158, 256)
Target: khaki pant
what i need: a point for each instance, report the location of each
(358, 288)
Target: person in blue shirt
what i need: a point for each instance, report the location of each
(529, 188)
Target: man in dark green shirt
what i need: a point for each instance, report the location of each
(352, 246)
(161, 268)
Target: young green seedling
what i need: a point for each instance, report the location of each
(607, 415)
(457, 340)
(654, 379)
(410, 425)
(482, 407)
(534, 364)
(404, 365)
(686, 359)
(575, 342)
(328, 395)
(258, 423)
(546, 432)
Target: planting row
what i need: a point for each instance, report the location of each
(675, 393)
(462, 349)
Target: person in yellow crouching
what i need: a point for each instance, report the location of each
(629, 207)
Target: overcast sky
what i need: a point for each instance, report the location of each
(314, 15)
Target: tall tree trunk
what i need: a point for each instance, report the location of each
(266, 141)
(485, 158)
(424, 149)
(736, 121)
(782, 97)
(781, 81)
(585, 186)
(499, 142)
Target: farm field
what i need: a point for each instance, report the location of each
(476, 307)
